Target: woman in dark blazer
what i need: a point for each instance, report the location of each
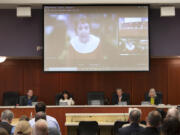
(152, 97)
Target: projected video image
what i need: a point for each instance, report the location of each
(132, 35)
(83, 40)
(86, 39)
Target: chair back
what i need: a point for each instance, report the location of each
(88, 128)
(58, 96)
(95, 98)
(117, 125)
(21, 100)
(10, 98)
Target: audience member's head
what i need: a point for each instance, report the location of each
(7, 115)
(135, 115)
(162, 112)
(53, 131)
(23, 128)
(154, 119)
(119, 92)
(3, 131)
(24, 117)
(40, 115)
(40, 107)
(41, 127)
(171, 126)
(173, 112)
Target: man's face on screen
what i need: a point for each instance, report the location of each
(83, 31)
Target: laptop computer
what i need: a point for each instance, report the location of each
(63, 103)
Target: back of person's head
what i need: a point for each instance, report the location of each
(41, 127)
(23, 128)
(40, 115)
(162, 112)
(24, 117)
(40, 107)
(3, 131)
(173, 112)
(53, 131)
(154, 119)
(135, 115)
(171, 126)
(7, 115)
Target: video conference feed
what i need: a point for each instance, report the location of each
(96, 38)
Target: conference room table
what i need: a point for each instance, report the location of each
(59, 112)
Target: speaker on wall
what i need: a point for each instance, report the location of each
(167, 11)
(23, 11)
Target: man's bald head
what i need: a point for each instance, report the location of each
(173, 112)
(41, 127)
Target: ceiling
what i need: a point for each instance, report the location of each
(37, 4)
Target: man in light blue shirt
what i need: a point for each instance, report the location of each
(52, 122)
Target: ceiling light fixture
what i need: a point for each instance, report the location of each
(2, 59)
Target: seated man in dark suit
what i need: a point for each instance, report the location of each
(153, 124)
(29, 98)
(134, 128)
(119, 97)
(152, 97)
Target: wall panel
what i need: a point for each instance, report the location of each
(20, 75)
(174, 82)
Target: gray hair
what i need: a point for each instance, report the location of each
(7, 115)
(135, 115)
(152, 89)
(173, 112)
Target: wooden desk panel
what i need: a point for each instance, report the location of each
(59, 112)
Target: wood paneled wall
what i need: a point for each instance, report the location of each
(20, 75)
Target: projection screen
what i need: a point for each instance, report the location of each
(96, 38)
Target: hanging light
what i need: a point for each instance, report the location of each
(2, 59)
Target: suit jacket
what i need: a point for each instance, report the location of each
(156, 102)
(115, 99)
(6, 126)
(133, 129)
(150, 131)
(24, 100)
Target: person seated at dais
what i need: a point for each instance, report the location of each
(66, 98)
(119, 97)
(152, 97)
(29, 98)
